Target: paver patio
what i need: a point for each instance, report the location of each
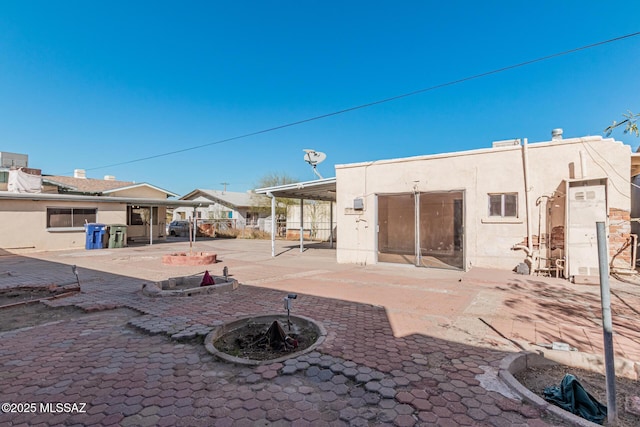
(405, 346)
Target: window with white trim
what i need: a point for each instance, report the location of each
(70, 217)
(503, 205)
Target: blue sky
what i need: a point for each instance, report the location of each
(92, 84)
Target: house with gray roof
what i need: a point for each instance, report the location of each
(53, 211)
(236, 209)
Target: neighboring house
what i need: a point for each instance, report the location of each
(54, 218)
(237, 210)
(531, 206)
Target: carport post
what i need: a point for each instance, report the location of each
(195, 213)
(273, 224)
(331, 224)
(416, 225)
(301, 225)
(151, 226)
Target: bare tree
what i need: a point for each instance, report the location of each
(630, 124)
(273, 179)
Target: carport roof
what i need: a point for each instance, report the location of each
(320, 189)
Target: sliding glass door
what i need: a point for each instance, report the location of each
(424, 229)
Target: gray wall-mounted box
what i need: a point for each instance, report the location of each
(358, 204)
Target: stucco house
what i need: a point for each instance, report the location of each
(514, 204)
(238, 210)
(54, 216)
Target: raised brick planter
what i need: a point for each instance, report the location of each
(167, 288)
(195, 258)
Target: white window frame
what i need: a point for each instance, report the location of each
(77, 228)
(502, 205)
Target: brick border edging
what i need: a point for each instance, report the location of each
(517, 362)
(154, 289)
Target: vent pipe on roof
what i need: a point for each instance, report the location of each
(109, 178)
(556, 134)
(79, 173)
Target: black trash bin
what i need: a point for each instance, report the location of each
(95, 235)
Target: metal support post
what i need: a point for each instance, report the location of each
(607, 324)
(301, 225)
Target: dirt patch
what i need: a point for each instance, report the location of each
(23, 294)
(247, 341)
(34, 314)
(536, 379)
(20, 307)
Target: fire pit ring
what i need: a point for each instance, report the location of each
(264, 320)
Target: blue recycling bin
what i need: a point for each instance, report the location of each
(95, 235)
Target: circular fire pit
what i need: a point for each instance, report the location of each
(195, 258)
(250, 340)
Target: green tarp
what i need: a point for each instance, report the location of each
(572, 397)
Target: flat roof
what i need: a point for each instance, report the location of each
(7, 195)
(320, 189)
(478, 151)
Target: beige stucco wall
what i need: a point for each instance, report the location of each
(487, 241)
(24, 224)
(142, 192)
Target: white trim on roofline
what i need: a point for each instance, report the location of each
(6, 195)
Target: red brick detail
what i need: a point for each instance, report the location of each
(182, 258)
(620, 237)
(557, 237)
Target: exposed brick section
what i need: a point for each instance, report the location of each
(557, 237)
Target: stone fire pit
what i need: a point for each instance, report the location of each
(232, 341)
(194, 258)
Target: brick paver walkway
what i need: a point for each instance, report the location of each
(137, 360)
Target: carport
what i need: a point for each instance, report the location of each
(320, 189)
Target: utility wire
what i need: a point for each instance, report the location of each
(371, 104)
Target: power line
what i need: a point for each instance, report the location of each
(371, 104)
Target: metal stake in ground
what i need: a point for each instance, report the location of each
(75, 271)
(607, 327)
(287, 306)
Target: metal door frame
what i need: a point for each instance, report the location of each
(416, 199)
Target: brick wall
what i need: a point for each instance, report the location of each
(619, 234)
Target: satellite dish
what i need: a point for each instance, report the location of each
(314, 157)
